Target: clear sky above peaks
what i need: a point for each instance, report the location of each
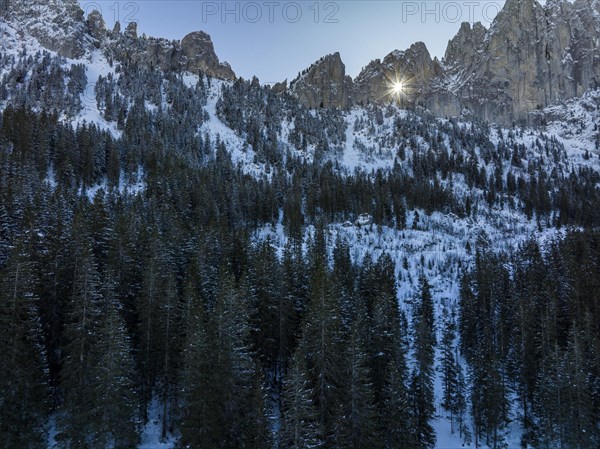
(274, 40)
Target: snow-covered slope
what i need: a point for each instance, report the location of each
(439, 246)
(577, 122)
(366, 139)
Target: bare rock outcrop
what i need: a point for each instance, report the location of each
(414, 68)
(324, 84)
(198, 49)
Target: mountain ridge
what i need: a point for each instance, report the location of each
(60, 26)
(531, 57)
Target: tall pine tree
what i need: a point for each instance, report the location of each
(422, 393)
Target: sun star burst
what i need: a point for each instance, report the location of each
(398, 87)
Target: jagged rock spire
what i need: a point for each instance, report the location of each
(324, 84)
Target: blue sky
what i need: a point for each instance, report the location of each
(274, 39)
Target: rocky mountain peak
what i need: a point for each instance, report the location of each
(463, 47)
(199, 53)
(131, 30)
(96, 26)
(329, 65)
(516, 18)
(324, 84)
(414, 66)
(194, 53)
(534, 56)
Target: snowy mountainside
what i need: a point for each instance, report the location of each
(365, 138)
(498, 185)
(261, 129)
(576, 121)
(439, 246)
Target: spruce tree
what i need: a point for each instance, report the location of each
(23, 365)
(299, 428)
(81, 337)
(422, 394)
(395, 412)
(273, 310)
(385, 326)
(113, 394)
(321, 340)
(199, 399)
(450, 372)
(356, 426)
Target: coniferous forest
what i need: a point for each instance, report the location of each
(133, 276)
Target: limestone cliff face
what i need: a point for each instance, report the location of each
(507, 77)
(153, 53)
(530, 57)
(463, 48)
(534, 56)
(96, 27)
(324, 84)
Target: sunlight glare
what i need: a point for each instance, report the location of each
(398, 87)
